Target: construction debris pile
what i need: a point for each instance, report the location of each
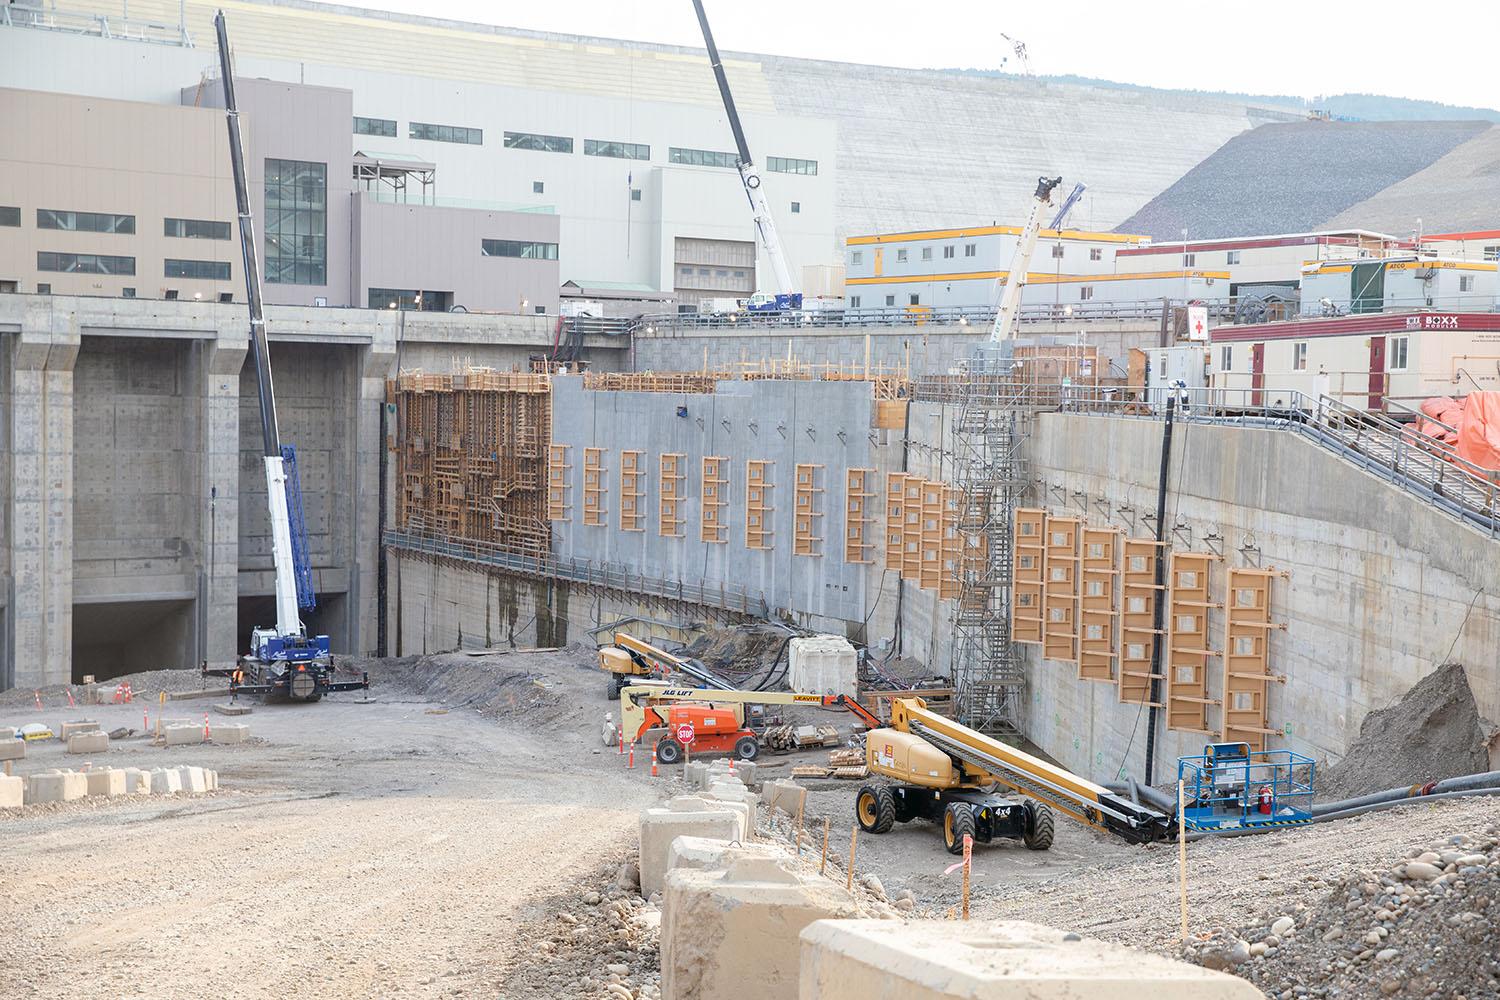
(1423, 926)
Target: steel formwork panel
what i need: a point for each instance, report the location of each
(1188, 652)
(1247, 639)
(859, 495)
(1060, 590)
(1098, 612)
(1029, 556)
(1138, 632)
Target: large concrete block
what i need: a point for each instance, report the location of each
(781, 794)
(230, 732)
(747, 771)
(733, 791)
(88, 742)
(192, 779)
(723, 929)
(137, 781)
(165, 781)
(706, 854)
(183, 735)
(80, 726)
(211, 779)
(12, 748)
(822, 664)
(940, 959)
(695, 774)
(232, 709)
(106, 781)
(56, 786)
(12, 792)
(683, 816)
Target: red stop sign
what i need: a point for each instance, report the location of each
(685, 734)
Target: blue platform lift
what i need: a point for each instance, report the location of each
(1231, 786)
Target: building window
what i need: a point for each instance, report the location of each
(538, 142)
(1299, 356)
(518, 248)
(296, 222)
(195, 229)
(1226, 357)
(916, 300)
(783, 165)
(43, 288)
(1057, 251)
(1490, 252)
(1396, 353)
(635, 194)
(619, 150)
(375, 126)
(10, 215)
(796, 208)
(1096, 253)
(127, 293)
(445, 133)
(208, 270)
(890, 300)
(900, 256)
(927, 253)
(84, 222)
(702, 158)
(1465, 282)
(1189, 260)
(970, 249)
(948, 253)
(84, 263)
(537, 187)
(856, 257)
(1085, 292)
(854, 302)
(1233, 257)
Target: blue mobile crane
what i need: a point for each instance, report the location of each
(284, 661)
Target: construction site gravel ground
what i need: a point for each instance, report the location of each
(464, 833)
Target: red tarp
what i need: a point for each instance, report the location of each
(1479, 433)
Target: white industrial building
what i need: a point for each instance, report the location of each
(1332, 288)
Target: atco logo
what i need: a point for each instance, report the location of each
(1432, 322)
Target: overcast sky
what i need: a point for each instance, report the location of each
(1440, 51)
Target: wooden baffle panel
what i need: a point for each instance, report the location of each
(1188, 652)
(1060, 591)
(1098, 617)
(713, 500)
(895, 519)
(472, 457)
(758, 505)
(671, 494)
(1138, 631)
(859, 493)
(807, 513)
(1029, 553)
(1247, 673)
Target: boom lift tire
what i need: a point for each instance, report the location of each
(668, 750)
(958, 820)
(1038, 826)
(875, 808)
(746, 748)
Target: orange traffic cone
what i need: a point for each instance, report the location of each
(38, 695)
(653, 762)
(630, 764)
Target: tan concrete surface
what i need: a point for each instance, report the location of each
(682, 816)
(165, 781)
(12, 792)
(230, 732)
(724, 930)
(106, 781)
(12, 748)
(56, 786)
(183, 735)
(137, 781)
(994, 960)
(192, 779)
(707, 854)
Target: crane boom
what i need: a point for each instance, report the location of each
(288, 621)
(1015, 282)
(760, 211)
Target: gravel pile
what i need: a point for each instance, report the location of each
(1293, 177)
(1458, 193)
(1425, 926)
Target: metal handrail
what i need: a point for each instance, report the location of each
(727, 597)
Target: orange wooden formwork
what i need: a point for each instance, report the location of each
(950, 581)
(1029, 552)
(911, 528)
(632, 491)
(1188, 652)
(595, 488)
(859, 496)
(673, 477)
(713, 498)
(758, 506)
(1060, 591)
(895, 519)
(1247, 671)
(807, 510)
(1098, 614)
(1138, 632)
(559, 482)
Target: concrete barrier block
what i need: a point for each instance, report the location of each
(211, 779)
(183, 735)
(707, 854)
(822, 664)
(192, 780)
(683, 816)
(106, 781)
(941, 959)
(733, 791)
(92, 741)
(695, 774)
(230, 732)
(781, 794)
(723, 929)
(747, 771)
(12, 792)
(165, 781)
(12, 748)
(137, 781)
(56, 786)
(79, 726)
(232, 709)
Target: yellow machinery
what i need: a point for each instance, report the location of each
(943, 771)
(630, 660)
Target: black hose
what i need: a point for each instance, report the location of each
(1245, 831)
(1485, 779)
